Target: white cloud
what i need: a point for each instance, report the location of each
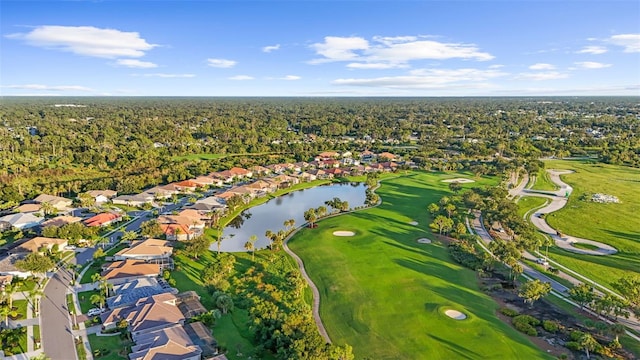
(369, 66)
(241, 77)
(164, 75)
(592, 65)
(86, 40)
(339, 48)
(221, 63)
(593, 49)
(630, 42)
(291, 77)
(496, 66)
(391, 52)
(543, 75)
(50, 87)
(134, 63)
(542, 66)
(428, 79)
(271, 48)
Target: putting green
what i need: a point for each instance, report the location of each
(385, 294)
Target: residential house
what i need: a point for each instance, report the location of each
(186, 186)
(184, 226)
(57, 202)
(149, 249)
(240, 173)
(8, 266)
(28, 208)
(178, 232)
(367, 156)
(23, 220)
(38, 244)
(337, 172)
(389, 166)
(190, 305)
(223, 176)
(201, 336)
(162, 192)
(146, 315)
(320, 174)
(285, 181)
(306, 176)
(244, 191)
(134, 200)
(210, 203)
(387, 156)
(325, 155)
(102, 196)
(119, 272)
(128, 293)
(203, 181)
(5, 280)
(262, 187)
(260, 170)
(60, 221)
(171, 342)
(103, 219)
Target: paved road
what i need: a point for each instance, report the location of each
(57, 337)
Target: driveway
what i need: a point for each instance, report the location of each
(57, 337)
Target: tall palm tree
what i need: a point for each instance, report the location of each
(7, 293)
(6, 311)
(34, 298)
(249, 247)
(98, 299)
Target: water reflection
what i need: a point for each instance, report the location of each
(272, 214)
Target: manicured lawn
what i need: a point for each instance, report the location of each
(20, 306)
(527, 203)
(94, 268)
(385, 294)
(543, 182)
(584, 246)
(113, 344)
(84, 298)
(13, 341)
(613, 224)
(36, 333)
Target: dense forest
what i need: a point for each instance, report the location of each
(68, 145)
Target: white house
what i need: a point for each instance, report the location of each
(23, 220)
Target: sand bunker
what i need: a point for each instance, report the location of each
(424, 241)
(455, 314)
(459, 180)
(414, 223)
(343, 233)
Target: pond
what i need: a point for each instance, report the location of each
(272, 214)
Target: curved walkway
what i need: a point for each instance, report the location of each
(558, 199)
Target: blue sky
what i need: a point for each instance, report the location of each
(320, 48)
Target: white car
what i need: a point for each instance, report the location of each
(542, 261)
(94, 312)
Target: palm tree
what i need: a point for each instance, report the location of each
(6, 311)
(269, 235)
(7, 293)
(617, 330)
(321, 211)
(224, 303)
(310, 216)
(34, 298)
(249, 247)
(588, 343)
(219, 239)
(98, 299)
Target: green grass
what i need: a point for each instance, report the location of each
(20, 306)
(527, 203)
(114, 344)
(613, 224)
(27, 285)
(20, 346)
(84, 298)
(385, 294)
(94, 268)
(584, 246)
(543, 182)
(36, 333)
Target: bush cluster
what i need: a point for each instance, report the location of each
(464, 254)
(551, 326)
(526, 324)
(509, 312)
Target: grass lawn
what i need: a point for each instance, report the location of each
(543, 182)
(585, 246)
(385, 294)
(94, 268)
(113, 344)
(613, 224)
(16, 346)
(84, 298)
(527, 203)
(36, 333)
(20, 306)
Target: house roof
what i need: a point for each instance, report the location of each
(5, 279)
(203, 180)
(53, 200)
(8, 263)
(172, 229)
(187, 184)
(147, 313)
(170, 343)
(101, 219)
(328, 154)
(387, 155)
(27, 208)
(21, 219)
(35, 244)
(61, 220)
(148, 247)
(130, 268)
(143, 197)
(106, 193)
(131, 291)
(239, 171)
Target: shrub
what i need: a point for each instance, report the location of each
(509, 312)
(576, 335)
(526, 324)
(550, 326)
(573, 345)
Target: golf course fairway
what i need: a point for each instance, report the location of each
(386, 295)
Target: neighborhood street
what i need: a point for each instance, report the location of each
(57, 337)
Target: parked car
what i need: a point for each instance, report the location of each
(94, 312)
(69, 247)
(542, 261)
